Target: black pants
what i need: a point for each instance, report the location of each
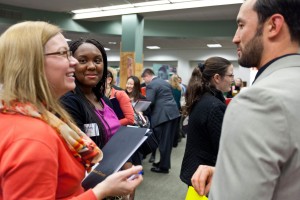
(166, 132)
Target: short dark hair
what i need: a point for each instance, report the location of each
(148, 71)
(289, 9)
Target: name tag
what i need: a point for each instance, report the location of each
(91, 130)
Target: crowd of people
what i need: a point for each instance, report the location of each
(59, 107)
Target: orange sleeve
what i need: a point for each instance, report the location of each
(126, 107)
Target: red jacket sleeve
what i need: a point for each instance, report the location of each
(126, 107)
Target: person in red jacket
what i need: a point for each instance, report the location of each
(43, 154)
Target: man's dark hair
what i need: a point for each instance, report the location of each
(147, 72)
(289, 9)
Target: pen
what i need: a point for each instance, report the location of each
(134, 176)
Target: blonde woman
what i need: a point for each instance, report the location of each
(177, 92)
(176, 89)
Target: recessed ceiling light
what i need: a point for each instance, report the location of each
(153, 47)
(112, 42)
(214, 45)
(106, 49)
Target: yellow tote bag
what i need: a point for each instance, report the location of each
(193, 195)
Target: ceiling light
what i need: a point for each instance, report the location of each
(214, 45)
(179, 1)
(106, 49)
(151, 3)
(118, 7)
(112, 42)
(79, 11)
(153, 47)
(129, 9)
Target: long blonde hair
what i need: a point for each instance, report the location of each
(174, 81)
(22, 70)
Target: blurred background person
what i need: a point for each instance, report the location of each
(116, 79)
(176, 89)
(38, 138)
(133, 89)
(205, 106)
(164, 117)
(236, 87)
(163, 73)
(177, 92)
(183, 123)
(238, 84)
(183, 86)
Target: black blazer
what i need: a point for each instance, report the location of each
(204, 131)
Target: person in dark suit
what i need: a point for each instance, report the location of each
(164, 117)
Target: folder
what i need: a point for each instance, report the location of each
(193, 195)
(116, 152)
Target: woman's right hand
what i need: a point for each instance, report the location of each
(118, 184)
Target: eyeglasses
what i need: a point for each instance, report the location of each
(66, 53)
(230, 75)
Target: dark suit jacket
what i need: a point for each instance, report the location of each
(163, 107)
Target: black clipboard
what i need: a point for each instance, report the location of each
(141, 105)
(116, 152)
